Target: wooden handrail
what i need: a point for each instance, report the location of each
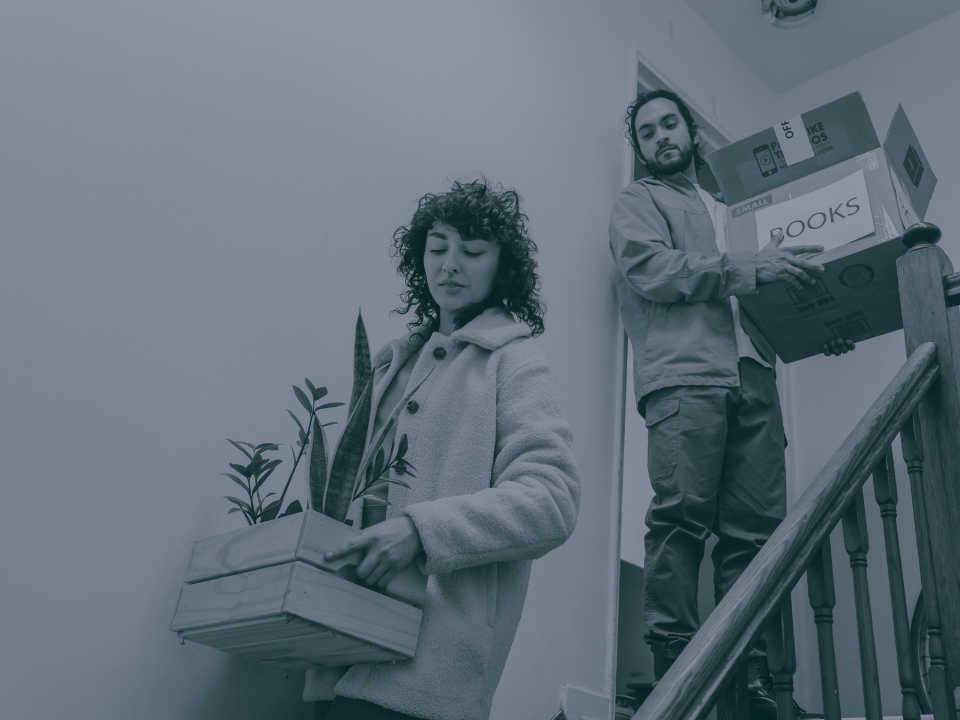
(693, 684)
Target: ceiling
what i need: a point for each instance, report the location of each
(841, 31)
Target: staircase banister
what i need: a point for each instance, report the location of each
(694, 682)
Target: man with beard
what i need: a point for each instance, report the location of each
(703, 376)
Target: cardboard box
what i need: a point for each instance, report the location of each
(844, 191)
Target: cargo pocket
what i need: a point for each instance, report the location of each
(663, 431)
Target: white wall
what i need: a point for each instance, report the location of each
(195, 200)
(829, 395)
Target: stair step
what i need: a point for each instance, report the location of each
(894, 717)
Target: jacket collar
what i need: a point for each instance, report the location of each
(491, 330)
(678, 182)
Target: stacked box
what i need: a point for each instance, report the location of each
(823, 178)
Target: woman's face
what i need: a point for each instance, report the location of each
(460, 272)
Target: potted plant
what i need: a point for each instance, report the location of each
(265, 591)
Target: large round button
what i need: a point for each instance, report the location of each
(439, 353)
(412, 406)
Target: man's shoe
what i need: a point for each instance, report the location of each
(763, 701)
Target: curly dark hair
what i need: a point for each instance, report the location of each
(476, 209)
(643, 98)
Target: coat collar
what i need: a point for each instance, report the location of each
(491, 330)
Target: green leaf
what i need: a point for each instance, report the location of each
(262, 480)
(239, 447)
(245, 471)
(233, 510)
(267, 447)
(270, 511)
(296, 420)
(240, 503)
(307, 405)
(320, 392)
(329, 424)
(292, 509)
(402, 447)
(310, 386)
(303, 437)
(237, 480)
(325, 406)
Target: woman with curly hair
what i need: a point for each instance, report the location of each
(496, 484)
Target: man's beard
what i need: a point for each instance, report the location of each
(671, 167)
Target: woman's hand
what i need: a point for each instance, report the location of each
(389, 547)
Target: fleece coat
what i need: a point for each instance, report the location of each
(496, 487)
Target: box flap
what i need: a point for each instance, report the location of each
(909, 163)
(831, 133)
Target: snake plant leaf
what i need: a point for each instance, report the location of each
(302, 397)
(239, 446)
(347, 457)
(318, 466)
(378, 439)
(362, 368)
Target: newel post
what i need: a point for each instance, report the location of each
(926, 318)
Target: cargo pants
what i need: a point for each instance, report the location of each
(716, 463)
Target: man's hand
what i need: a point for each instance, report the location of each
(777, 263)
(389, 546)
(838, 347)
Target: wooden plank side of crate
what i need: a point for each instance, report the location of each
(322, 534)
(249, 548)
(289, 642)
(353, 609)
(332, 650)
(246, 596)
(252, 632)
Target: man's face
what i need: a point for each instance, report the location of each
(665, 143)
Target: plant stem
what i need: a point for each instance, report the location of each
(303, 449)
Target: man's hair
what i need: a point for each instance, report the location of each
(642, 99)
(477, 210)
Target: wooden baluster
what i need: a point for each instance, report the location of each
(885, 489)
(734, 701)
(926, 318)
(822, 599)
(782, 657)
(855, 542)
(938, 678)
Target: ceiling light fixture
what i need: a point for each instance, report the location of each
(788, 13)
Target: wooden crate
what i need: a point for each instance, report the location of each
(266, 593)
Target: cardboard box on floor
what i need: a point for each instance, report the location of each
(824, 179)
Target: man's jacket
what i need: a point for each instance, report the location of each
(674, 288)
